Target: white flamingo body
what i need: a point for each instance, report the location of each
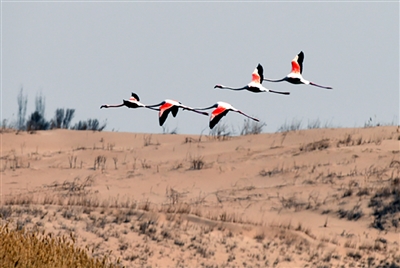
(295, 76)
(171, 106)
(221, 110)
(255, 85)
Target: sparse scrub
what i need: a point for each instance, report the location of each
(72, 161)
(36, 120)
(317, 145)
(62, 118)
(313, 124)
(250, 127)
(145, 164)
(221, 132)
(34, 249)
(386, 206)
(22, 103)
(293, 126)
(90, 124)
(352, 214)
(100, 162)
(147, 140)
(197, 162)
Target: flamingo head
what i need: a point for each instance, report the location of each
(218, 86)
(104, 106)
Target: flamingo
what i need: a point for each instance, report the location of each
(133, 102)
(255, 84)
(221, 109)
(172, 106)
(295, 76)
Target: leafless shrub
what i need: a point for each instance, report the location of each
(291, 202)
(345, 141)
(317, 145)
(115, 162)
(313, 124)
(100, 162)
(352, 214)
(147, 140)
(251, 127)
(259, 237)
(221, 132)
(196, 162)
(293, 126)
(145, 164)
(72, 161)
(270, 173)
(386, 206)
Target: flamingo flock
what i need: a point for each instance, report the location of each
(221, 108)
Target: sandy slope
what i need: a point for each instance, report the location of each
(303, 198)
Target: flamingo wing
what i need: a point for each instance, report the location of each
(297, 63)
(131, 103)
(174, 110)
(134, 95)
(258, 74)
(164, 111)
(217, 115)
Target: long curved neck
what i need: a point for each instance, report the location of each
(112, 105)
(274, 80)
(155, 105)
(155, 109)
(232, 88)
(202, 109)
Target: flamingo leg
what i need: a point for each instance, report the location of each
(279, 92)
(313, 84)
(255, 119)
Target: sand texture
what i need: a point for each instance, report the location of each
(308, 198)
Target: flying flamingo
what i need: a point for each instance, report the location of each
(172, 106)
(222, 108)
(133, 102)
(295, 76)
(255, 84)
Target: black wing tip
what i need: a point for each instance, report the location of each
(135, 96)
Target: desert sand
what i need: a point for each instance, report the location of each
(308, 198)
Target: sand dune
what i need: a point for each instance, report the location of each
(320, 197)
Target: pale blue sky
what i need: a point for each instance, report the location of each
(83, 54)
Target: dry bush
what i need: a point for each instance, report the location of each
(72, 161)
(221, 132)
(286, 127)
(100, 162)
(269, 173)
(147, 140)
(196, 162)
(352, 214)
(347, 141)
(317, 145)
(292, 202)
(250, 127)
(21, 248)
(385, 202)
